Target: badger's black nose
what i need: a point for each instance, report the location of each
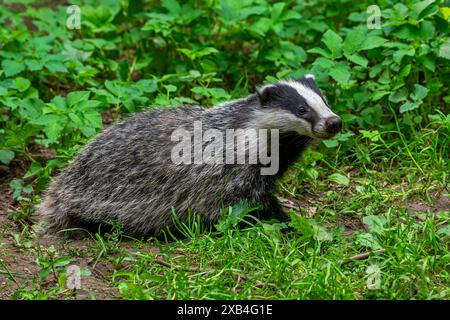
(333, 124)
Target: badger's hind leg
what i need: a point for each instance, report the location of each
(55, 217)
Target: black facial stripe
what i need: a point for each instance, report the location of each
(285, 97)
(311, 84)
(312, 117)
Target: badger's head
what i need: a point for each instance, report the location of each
(299, 106)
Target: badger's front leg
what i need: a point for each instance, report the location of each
(272, 209)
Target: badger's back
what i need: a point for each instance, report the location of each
(126, 174)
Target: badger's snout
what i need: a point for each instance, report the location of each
(333, 125)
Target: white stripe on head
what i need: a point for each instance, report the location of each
(312, 98)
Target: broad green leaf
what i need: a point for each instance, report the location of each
(331, 143)
(408, 106)
(445, 231)
(339, 179)
(61, 262)
(75, 97)
(356, 58)
(428, 62)
(94, 119)
(333, 42)
(367, 240)
(373, 42)
(321, 233)
(12, 67)
(33, 170)
(277, 9)
(34, 65)
(340, 72)
(424, 8)
(173, 6)
(444, 50)
(420, 92)
(323, 63)
(398, 96)
(322, 52)
(405, 71)
(56, 66)
(354, 41)
(6, 156)
(21, 84)
(376, 224)
(261, 26)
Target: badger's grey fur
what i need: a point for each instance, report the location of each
(126, 172)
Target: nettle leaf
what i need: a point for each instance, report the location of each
(445, 231)
(56, 66)
(408, 106)
(367, 240)
(172, 6)
(444, 50)
(94, 119)
(12, 67)
(423, 9)
(76, 96)
(34, 65)
(322, 52)
(354, 41)
(426, 30)
(333, 41)
(356, 58)
(399, 54)
(330, 143)
(405, 71)
(53, 131)
(21, 84)
(340, 179)
(33, 170)
(321, 233)
(420, 92)
(428, 62)
(340, 72)
(62, 261)
(373, 42)
(399, 95)
(261, 26)
(376, 224)
(6, 156)
(147, 85)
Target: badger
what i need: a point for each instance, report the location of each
(132, 172)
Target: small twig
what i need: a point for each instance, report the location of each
(258, 283)
(163, 263)
(363, 255)
(290, 206)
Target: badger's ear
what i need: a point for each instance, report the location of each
(309, 76)
(266, 94)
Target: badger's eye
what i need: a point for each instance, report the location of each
(302, 110)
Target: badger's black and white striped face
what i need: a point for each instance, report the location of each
(297, 105)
